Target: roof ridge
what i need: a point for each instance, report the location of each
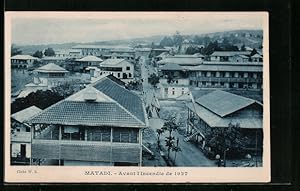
(132, 93)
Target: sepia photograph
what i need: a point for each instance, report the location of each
(133, 94)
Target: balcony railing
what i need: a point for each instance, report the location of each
(86, 150)
(227, 79)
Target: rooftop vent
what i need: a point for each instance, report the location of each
(90, 96)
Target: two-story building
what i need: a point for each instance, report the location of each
(100, 125)
(237, 75)
(174, 77)
(21, 136)
(50, 75)
(219, 110)
(120, 68)
(88, 61)
(23, 61)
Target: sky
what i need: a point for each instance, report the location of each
(47, 28)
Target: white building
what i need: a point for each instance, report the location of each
(120, 68)
(21, 135)
(23, 61)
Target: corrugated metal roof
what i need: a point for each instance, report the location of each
(213, 120)
(223, 103)
(51, 67)
(256, 56)
(226, 68)
(171, 67)
(112, 62)
(181, 60)
(25, 114)
(230, 53)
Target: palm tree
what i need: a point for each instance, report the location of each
(176, 149)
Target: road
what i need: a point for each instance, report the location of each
(190, 154)
(148, 90)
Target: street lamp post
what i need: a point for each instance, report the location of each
(225, 156)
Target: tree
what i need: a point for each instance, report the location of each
(41, 99)
(176, 149)
(158, 133)
(49, 52)
(227, 138)
(15, 50)
(177, 39)
(243, 48)
(254, 51)
(38, 54)
(170, 126)
(210, 48)
(166, 41)
(153, 79)
(192, 50)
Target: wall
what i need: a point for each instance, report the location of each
(16, 148)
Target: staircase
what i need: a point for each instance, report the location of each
(191, 136)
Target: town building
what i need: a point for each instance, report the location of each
(67, 53)
(218, 110)
(100, 125)
(50, 75)
(120, 68)
(174, 77)
(230, 56)
(53, 59)
(23, 61)
(103, 51)
(227, 75)
(88, 61)
(21, 136)
(121, 53)
(190, 70)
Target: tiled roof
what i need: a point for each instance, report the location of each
(25, 114)
(51, 67)
(124, 97)
(223, 103)
(181, 60)
(230, 53)
(84, 113)
(105, 103)
(90, 59)
(24, 57)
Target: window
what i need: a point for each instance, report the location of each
(173, 92)
(99, 134)
(119, 75)
(129, 75)
(128, 68)
(166, 90)
(125, 135)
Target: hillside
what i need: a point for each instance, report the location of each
(251, 38)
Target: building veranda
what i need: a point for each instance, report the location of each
(99, 125)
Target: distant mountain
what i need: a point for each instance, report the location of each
(251, 38)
